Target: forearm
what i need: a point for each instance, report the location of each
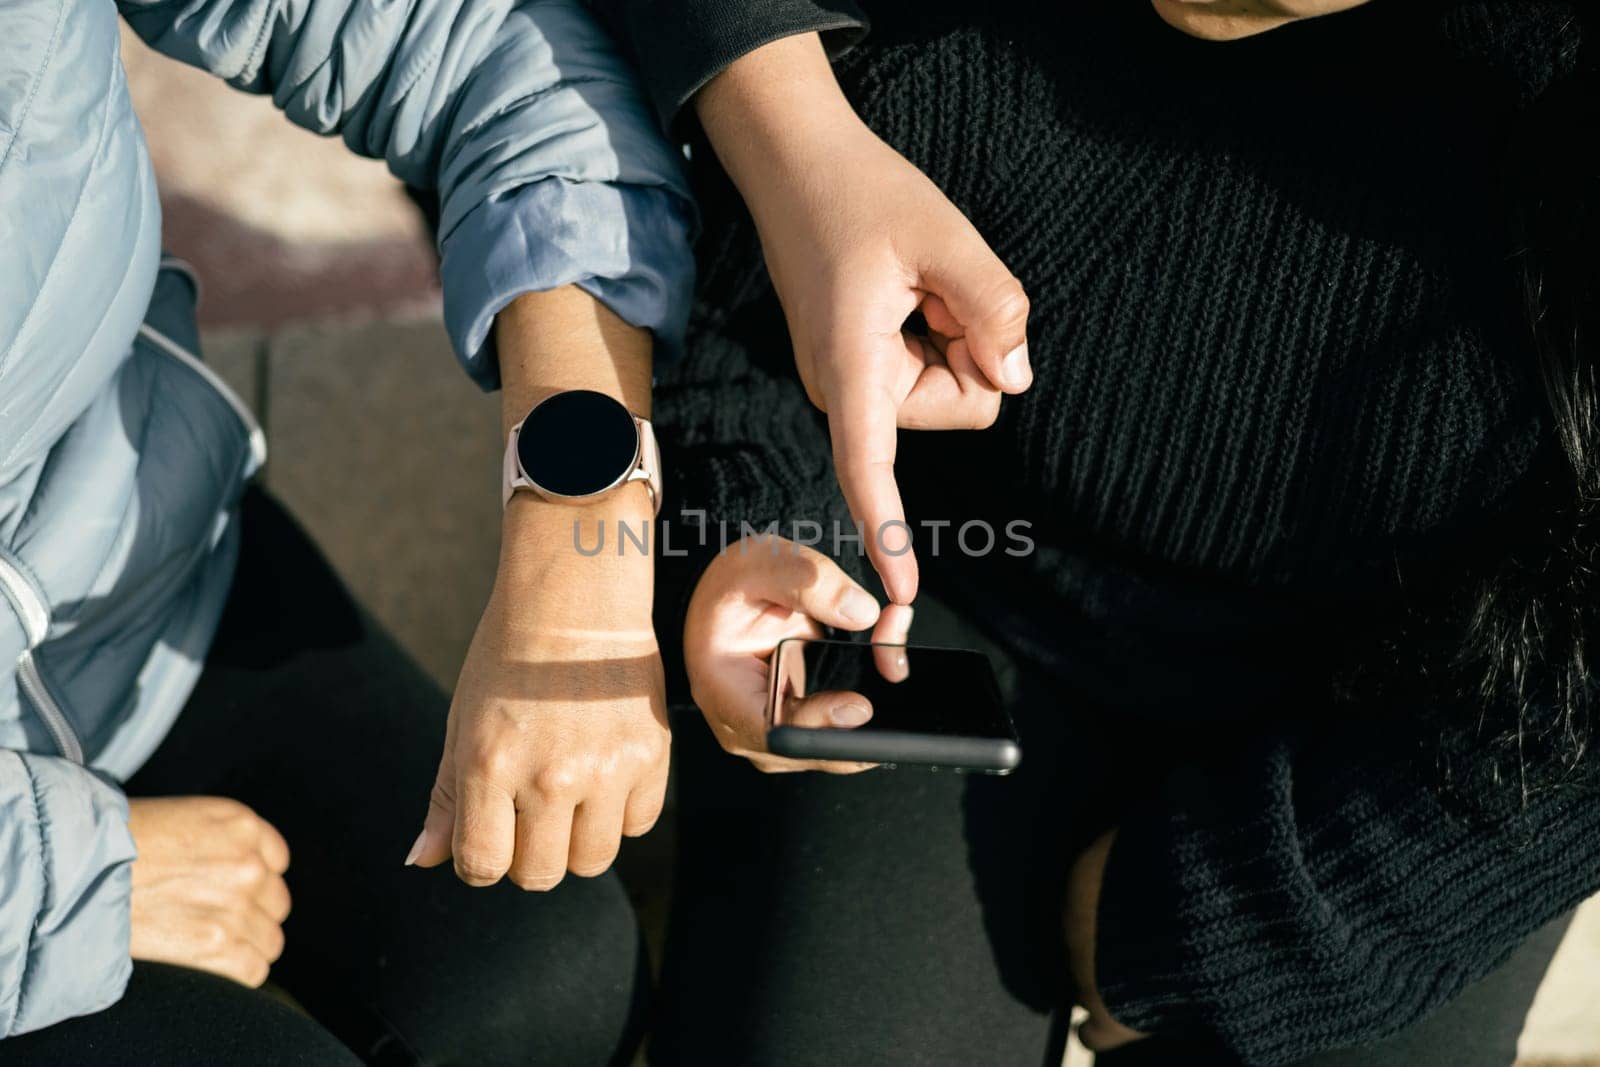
(558, 706)
(554, 341)
(771, 108)
(566, 339)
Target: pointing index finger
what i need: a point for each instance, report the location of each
(863, 427)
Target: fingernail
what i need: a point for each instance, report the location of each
(850, 714)
(859, 607)
(1014, 367)
(416, 848)
(905, 631)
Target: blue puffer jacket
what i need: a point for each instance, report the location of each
(122, 456)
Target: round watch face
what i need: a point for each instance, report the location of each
(578, 443)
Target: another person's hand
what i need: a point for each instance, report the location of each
(1099, 1032)
(752, 596)
(208, 889)
(857, 239)
(557, 744)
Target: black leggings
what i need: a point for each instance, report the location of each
(911, 917)
(311, 714)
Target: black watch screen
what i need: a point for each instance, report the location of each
(578, 443)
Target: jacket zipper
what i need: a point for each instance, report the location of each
(29, 604)
(258, 439)
(35, 615)
(55, 720)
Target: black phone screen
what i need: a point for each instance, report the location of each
(944, 691)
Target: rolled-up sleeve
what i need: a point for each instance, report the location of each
(554, 232)
(521, 113)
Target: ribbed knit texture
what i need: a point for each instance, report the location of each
(1278, 362)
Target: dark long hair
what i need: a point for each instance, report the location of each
(1526, 666)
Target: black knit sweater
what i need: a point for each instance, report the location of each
(1281, 390)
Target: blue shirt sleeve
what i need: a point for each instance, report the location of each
(521, 113)
(628, 246)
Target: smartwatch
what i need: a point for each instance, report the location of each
(578, 445)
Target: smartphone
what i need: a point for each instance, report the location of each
(932, 706)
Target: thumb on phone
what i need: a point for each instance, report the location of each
(838, 709)
(802, 579)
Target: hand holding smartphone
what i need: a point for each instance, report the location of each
(847, 701)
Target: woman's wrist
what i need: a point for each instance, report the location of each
(589, 565)
(609, 535)
(567, 339)
(596, 552)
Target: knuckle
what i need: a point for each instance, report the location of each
(644, 752)
(250, 824)
(239, 822)
(494, 762)
(247, 870)
(1009, 302)
(557, 779)
(214, 935)
(226, 808)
